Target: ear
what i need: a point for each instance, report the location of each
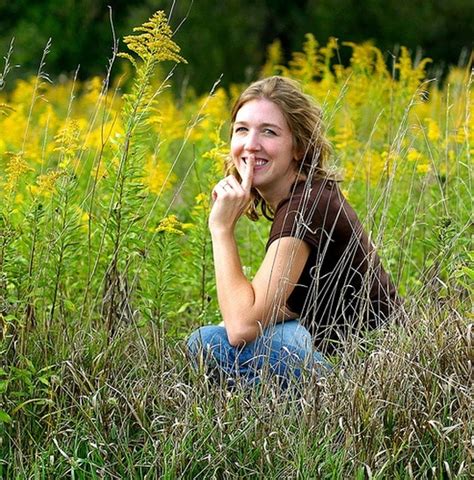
(297, 154)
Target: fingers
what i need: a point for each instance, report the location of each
(247, 176)
(228, 185)
(229, 202)
(233, 183)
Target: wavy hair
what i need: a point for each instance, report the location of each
(304, 118)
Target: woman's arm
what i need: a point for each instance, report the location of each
(246, 307)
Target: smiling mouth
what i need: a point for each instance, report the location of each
(259, 162)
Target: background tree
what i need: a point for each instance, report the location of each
(230, 37)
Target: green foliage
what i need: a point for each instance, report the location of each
(103, 273)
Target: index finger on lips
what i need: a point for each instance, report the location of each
(248, 173)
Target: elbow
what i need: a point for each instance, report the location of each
(236, 341)
(241, 337)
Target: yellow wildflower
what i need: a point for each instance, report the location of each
(307, 64)
(410, 75)
(423, 168)
(328, 51)
(345, 137)
(374, 164)
(274, 59)
(461, 135)
(16, 167)
(203, 203)
(13, 128)
(213, 109)
(67, 142)
(19, 199)
(434, 132)
(48, 118)
(413, 155)
(100, 135)
(154, 44)
(45, 184)
(23, 92)
(363, 56)
(83, 218)
(168, 120)
(170, 224)
(156, 177)
(92, 89)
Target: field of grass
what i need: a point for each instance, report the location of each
(106, 267)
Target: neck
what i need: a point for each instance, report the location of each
(270, 200)
(273, 197)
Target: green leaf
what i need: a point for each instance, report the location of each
(469, 272)
(4, 417)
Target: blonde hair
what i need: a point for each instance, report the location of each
(304, 118)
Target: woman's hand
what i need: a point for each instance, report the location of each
(231, 199)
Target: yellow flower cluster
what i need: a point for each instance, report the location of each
(378, 124)
(16, 167)
(68, 142)
(154, 44)
(170, 224)
(85, 139)
(157, 175)
(45, 184)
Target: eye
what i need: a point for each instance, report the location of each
(240, 129)
(269, 131)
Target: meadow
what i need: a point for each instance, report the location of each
(106, 266)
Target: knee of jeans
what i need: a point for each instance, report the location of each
(206, 337)
(290, 333)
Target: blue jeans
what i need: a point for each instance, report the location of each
(283, 350)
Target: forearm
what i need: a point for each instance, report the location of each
(235, 293)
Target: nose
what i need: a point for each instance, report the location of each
(252, 142)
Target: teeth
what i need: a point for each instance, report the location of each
(258, 162)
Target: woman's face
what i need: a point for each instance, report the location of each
(261, 129)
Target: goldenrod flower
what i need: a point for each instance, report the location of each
(168, 120)
(213, 109)
(93, 89)
(203, 203)
(374, 164)
(410, 75)
(45, 184)
(274, 59)
(423, 168)
(68, 143)
(308, 64)
(434, 132)
(413, 155)
(16, 167)
(154, 44)
(170, 224)
(157, 175)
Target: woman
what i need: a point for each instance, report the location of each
(320, 279)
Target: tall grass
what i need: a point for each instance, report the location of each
(105, 268)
